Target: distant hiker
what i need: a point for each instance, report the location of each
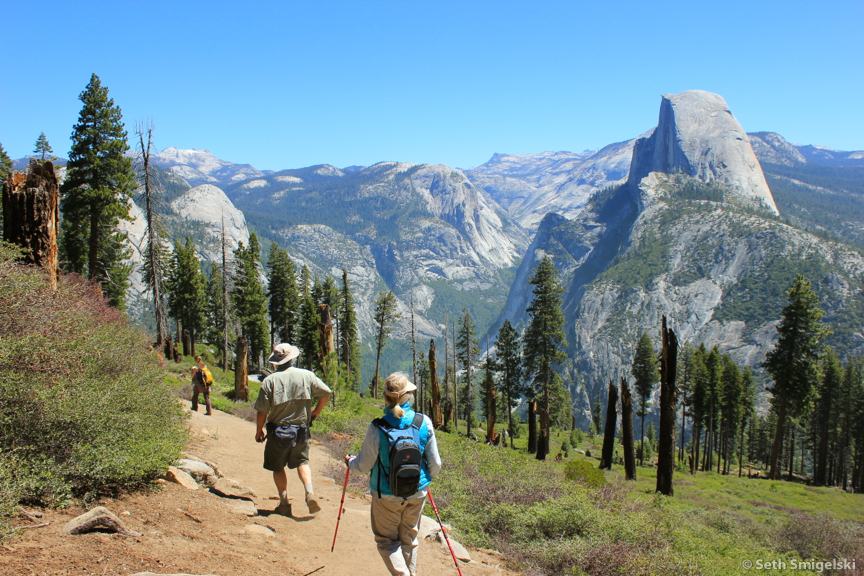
(285, 405)
(398, 493)
(202, 379)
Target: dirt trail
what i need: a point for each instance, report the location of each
(195, 531)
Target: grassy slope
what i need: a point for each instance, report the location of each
(547, 523)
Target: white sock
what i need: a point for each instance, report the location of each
(308, 487)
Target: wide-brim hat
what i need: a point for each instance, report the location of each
(283, 353)
(396, 387)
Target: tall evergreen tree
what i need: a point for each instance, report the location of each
(42, 147)
(187, 290)
(698, 371)
(214, 309)
(714, 364)
(829, 388)
(747, 412)
(509, 365)
(308, 320)
(645, 371)
(793, 362)
(284, 300)
(249, 298)
(349, 345)
(731, 407)
(5, 170)
(385, 314)
(467, 350)
(95, 194)
(544, 343)
(5, 164)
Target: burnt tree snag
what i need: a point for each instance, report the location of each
(627, 431)
(668, 398)
(609, 430)
(31, 215)
(437, 415)
(241, 369)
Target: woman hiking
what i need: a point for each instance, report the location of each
(398, 491)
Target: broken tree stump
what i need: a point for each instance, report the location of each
(668, 400)
(627, 431)
(31, 215)
(241, 370)
(609, 434)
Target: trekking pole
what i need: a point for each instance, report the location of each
(341, 503)
(443, 530)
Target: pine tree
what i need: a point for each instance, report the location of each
(385, 314)
(43, 147)
(747, 410)
(509, 365)
(544, 343)
(96, 192)
(490, 397)
(731, 393)
(5, 171)
(308, 321)
(284, 300)
(5, 164)
(829, 389)
(467, 351)
(645, 371)
(714, 365)
(698, 373)
(214, 311)
(187, 291)
(249, 299)
(793, 362)
(349, 345)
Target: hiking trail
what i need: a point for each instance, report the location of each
(198, 532)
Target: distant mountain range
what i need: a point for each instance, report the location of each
(682, 221)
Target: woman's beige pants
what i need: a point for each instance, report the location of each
(395, 523)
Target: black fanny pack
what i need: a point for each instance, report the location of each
(289, 432)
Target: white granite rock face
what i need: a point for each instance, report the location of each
(698, 135)
(206, 205)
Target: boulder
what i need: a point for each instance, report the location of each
(460, 551)
(429, 528)
(200, 471)
(228, 488)
(258, 530)
(99, 519)
(244, 509)
(179, 476)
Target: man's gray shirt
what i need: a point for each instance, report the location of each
(289, 396)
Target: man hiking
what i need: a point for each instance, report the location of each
(202, 379)
(401, 453)
(285, 405)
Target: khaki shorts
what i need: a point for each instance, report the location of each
(281, 453)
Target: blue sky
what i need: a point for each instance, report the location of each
(288, 84)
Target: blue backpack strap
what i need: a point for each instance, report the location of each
(384, 426)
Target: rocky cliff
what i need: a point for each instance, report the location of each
(697, 135)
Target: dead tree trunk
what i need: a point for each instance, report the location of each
(437, 415)
(241, 370)
(224, 299)
(532, 425)
(187, 343)
(627, 431)
(31, 216)
(327, 348)
(609, 430)
(668, 397)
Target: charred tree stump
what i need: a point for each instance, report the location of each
(609, 430)
(187, 343)
(627, 431)
(437, 415)
(532, 426)
(325, 332)
(668, 398)
(168, 348)
(31, 215)
(241, 370)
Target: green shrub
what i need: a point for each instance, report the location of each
(584, 472)
(84, 406)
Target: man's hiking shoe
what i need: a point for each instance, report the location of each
(312, 503)
(283, 508)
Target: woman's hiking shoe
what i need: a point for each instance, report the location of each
(312, 503)
(283, 508)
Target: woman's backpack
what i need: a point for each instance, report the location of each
(406, 457)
